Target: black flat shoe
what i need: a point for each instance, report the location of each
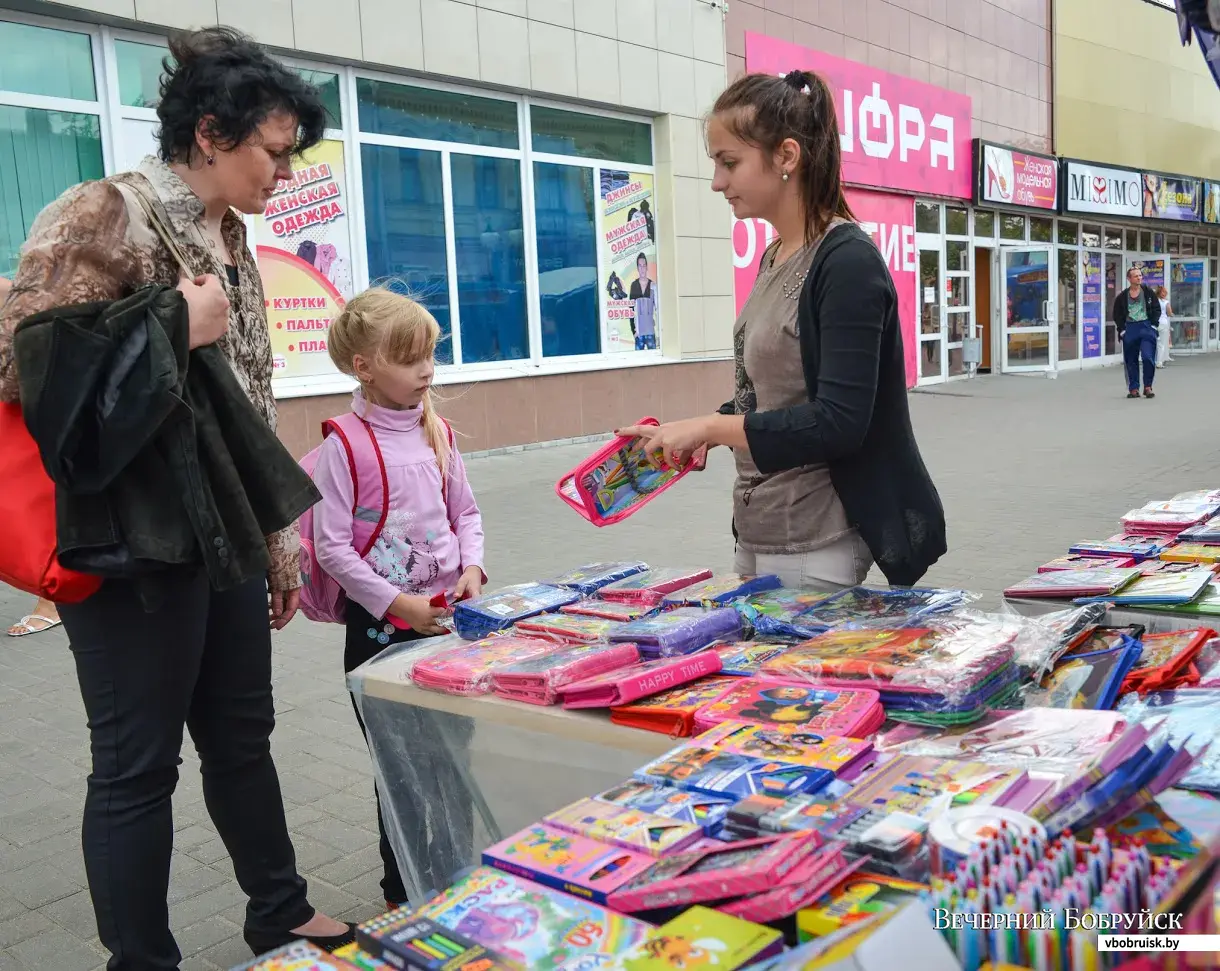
(263, 943)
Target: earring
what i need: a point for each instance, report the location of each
(785, 176)
(211, 159)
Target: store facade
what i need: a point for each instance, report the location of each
(529, 179)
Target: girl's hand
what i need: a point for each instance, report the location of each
(418, 613)
(470, 584)
(677, 441)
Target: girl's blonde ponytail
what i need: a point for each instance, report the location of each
(436, 432)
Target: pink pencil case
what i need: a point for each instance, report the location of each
(468, 670)
(651, 586)
(617, 480)
(568, 627)
(719, 873)
(851, 712)
(639, 681)
(539, 680)
(818, 875)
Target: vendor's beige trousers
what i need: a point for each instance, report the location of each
(844, 563)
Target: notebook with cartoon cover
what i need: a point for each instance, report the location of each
(702, 937)
(863, 605)
(791, 744)
(672, 712)
(782, 612)
(1203, 553)
(701, 768)
(743, 659)
(850, 712)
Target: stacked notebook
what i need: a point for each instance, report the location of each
(1138, 546)
(1073, 583)
(1159, 588)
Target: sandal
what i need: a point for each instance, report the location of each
(28, 625)
(1133, 394)
(1148, 393)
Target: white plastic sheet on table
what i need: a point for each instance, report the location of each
(456, 774)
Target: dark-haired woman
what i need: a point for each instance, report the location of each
(829, 478)
(232, 119)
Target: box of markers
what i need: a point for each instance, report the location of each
(405, 941)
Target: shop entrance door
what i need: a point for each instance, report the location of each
(1027, 301)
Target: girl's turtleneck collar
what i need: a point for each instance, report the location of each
(391, 419)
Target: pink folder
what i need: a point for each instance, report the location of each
(639, 681)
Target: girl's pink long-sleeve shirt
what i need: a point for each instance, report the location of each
(428, 540)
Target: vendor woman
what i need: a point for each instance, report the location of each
(829, 477)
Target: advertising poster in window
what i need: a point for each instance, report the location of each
(1154, 272)
(1092, 312)
(1211, 203)
(629, 258)
(304, 258)
(1168, 198)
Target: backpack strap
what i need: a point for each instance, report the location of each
(370, 484)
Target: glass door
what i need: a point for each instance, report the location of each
(1114, 282)
(1188, 287)
(931, 317)
(1030, 332)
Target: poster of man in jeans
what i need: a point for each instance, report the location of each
(629, 258)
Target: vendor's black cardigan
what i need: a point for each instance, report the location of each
(856, 420)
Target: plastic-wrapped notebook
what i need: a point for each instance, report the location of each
(1160, 588)
(617, 480)
(592, 577)
(1138, 546)
(533, 925)
(845, 757)
(1085, 680)
(298, 956)
(782, 613)
(1192, 553)
(849, 712)
(689, 807)
(540, 679)
(743, 659)
(639, 681)
(681, 631)
(1167, 660)
(721, 590)
(701, 768)
(499, 611)
(1081, 561)
(672, 712)
(468, 670)
(863, 605)
(632, 829)
(704, 937)
(1073, 583)
(651, 586)
(608, 610)
(568, 627)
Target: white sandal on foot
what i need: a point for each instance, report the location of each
(25, 626)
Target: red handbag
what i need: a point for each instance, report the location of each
(27, 510)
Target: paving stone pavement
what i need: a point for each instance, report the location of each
(1025, 465)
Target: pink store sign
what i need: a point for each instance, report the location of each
(896, 133)
(889, 219)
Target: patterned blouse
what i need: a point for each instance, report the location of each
(94, 243)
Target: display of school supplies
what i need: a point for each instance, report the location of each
(568, 862)
(742, 659)
(405, 940)
(607, 610)
(1168, 518)
(651, 586)
(638, 681)
(779, 613)
(925, 787)
(720, 590)
(850, 712)
(672, 712)
(1081, 561)
(592, 577)
(298, 956)
(716, 873)
(701, 768)
(702, 937)
(1204, 553)
(845, 757)
(540, 679)
(705, 811)
(535, 926)
(862, 606)
(618, 480)
(469, 670)
(1160, 588)
(811, 880)
(498, 611)
(1183, 717)
(1136, 545)
(1167, 660)
(567, 627)
(956, 832)
(858, 898)
(1073, 583)
(632, 829)
(677, 632)
(1206, 532)
(1079, 680)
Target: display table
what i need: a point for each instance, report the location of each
(456, 774)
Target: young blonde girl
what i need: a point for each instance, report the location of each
(432, 541)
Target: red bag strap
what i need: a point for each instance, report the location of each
(370, 490)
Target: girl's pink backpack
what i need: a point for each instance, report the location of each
(322, 599)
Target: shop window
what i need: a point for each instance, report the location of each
(1187, 246)
(984, 224)
(489, 238)
(957, 289)
(1114, 238)
(1172, 244)
(1158, 242)
(567, 259)
(927, 217)
(957, 362)
(1201, 245)
(1090, 235)
(930, 357)
(42, 153)
(140, 68)
(327, 85)
(404, 110)
(1069, 319)
(43, 61)
(957, 255)
(1012, 226)
(1133, 240)
(1041, 230)
(957, 221)
(1068, 232)
(1146, 242)
(959, 322)
(404, 218)
(558, 132)
(1215, 247)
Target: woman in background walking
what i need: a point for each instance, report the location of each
(1163, 332)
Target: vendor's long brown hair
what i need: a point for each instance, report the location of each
(764, 110)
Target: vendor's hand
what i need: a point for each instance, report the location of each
(470, 584)
(678, 441)
(418, 613)
(284, 605)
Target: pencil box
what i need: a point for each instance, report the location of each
(617, 480)
(672, 712)
(639, 681)
(568, 627)
(632, 829)
(681, 631)
(842, 756)
(406, 941)
(498, 611)
(816, 876)
(715, 873)
(720, 590)
(701, 768)
(850, 712)
(592, 577)
(651, 586)
(538, 680)
(1204, 553)
(469, 670)
(706, 811)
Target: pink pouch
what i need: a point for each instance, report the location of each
(617, 480)
(469, 670)
(650, 587)
(639, 681)
(538, 680)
